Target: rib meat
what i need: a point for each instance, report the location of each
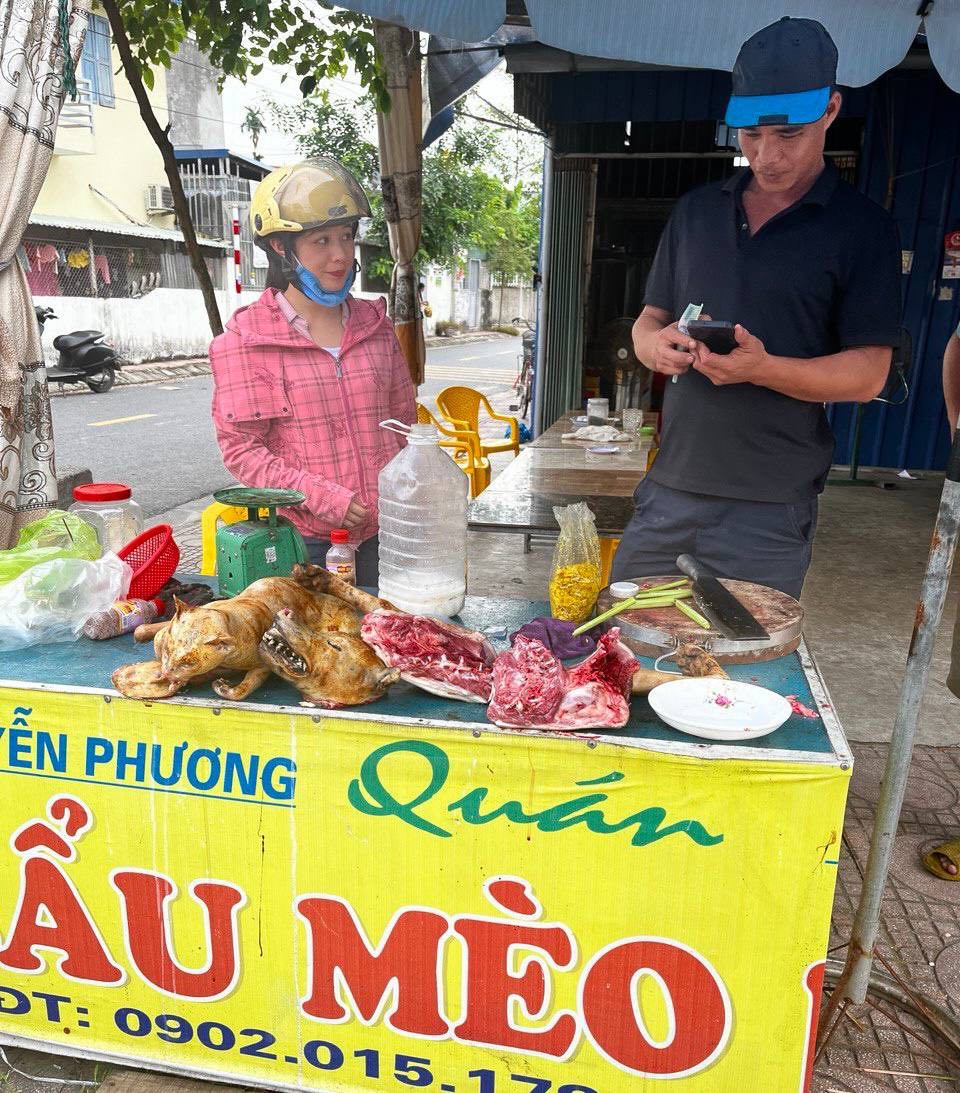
(435, 656)
(532, 689)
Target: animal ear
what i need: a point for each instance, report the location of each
(180, 608)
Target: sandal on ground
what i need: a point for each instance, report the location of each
(950, 849)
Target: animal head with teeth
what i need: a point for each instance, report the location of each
(329, 669)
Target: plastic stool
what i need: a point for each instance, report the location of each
(211, 517)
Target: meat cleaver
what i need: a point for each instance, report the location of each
(722, 608)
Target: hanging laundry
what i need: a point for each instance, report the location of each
(102, 267)
(78, 259)
(42, 276)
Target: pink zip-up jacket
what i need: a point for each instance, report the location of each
(290, 416)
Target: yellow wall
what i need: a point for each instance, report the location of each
(123, 163)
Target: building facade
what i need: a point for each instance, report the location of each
(102, 247)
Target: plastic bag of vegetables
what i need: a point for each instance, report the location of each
(55, 535)
(52, 600)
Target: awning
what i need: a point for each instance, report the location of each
(136, 231)
(872, 36)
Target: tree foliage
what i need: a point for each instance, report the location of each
(240, 36)
(254, 125)
(465, 202)
(518, 230)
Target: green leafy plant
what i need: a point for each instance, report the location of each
(253, 124)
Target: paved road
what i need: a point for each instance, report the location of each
(159, 439)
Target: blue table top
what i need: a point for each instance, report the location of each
(86, 663)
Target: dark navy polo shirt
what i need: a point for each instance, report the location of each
(822, 276)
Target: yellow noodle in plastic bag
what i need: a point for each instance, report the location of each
(575, 577)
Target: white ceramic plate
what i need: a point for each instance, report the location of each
(720, 709)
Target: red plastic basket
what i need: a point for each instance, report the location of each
(153, 557)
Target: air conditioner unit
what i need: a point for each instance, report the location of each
(159, 199)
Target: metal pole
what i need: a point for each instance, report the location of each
(237, 277)
(546, 215)
(92, 266)
(854, 982)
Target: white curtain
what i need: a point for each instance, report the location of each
(31, 94)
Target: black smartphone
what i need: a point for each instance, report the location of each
(716, 335)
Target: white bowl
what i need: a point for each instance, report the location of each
(720, 709)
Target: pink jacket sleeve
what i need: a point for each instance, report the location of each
(250, 461)
(244, 406)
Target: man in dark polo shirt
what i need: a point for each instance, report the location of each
(810, 270)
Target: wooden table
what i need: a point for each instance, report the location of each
(555, 472)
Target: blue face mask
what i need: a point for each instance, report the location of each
(313, 290)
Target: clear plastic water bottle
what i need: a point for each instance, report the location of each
(423, 527)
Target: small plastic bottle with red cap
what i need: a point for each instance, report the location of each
(342, 557)
(110, 510)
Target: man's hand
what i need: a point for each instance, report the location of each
(356, 516)
(667, 351)
(745, 364)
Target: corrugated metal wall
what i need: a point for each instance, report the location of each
(912, 136)
(572, 212)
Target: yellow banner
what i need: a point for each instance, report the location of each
(316, 903)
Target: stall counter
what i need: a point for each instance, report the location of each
(402, 894)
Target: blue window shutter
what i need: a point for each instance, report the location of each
(96, 61)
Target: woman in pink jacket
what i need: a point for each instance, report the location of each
(304, 376)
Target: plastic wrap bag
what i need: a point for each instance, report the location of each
(575, 576)
(55, 535)
(52, 600)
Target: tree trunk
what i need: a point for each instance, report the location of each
(161, 138)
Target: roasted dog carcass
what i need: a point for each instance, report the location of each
(329, 669)
(314, 644)
(438, 657)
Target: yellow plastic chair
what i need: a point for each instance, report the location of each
(210, 519)
(465, 447)
(461, 405)
(608, 547)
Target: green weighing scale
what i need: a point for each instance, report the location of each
(260, 546)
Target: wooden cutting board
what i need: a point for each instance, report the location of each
(653, 632)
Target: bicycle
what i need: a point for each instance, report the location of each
(523, 384)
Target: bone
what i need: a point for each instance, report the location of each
(147, 631)
(645, 679)
(318, 579)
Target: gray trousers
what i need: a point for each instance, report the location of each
(367, 554)
(759, 541)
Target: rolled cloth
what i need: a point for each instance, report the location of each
(557, 636)
(953, 676)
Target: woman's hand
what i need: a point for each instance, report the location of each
(356, 515)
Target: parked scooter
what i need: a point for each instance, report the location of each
(85, 357)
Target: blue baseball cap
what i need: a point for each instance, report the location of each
(784, 75)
